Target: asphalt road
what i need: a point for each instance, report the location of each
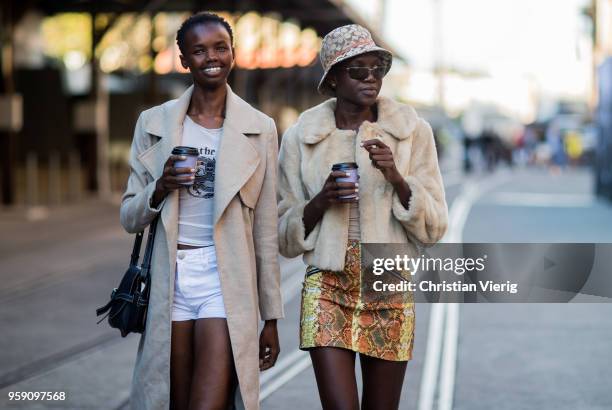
(536, 356)
(56, 271)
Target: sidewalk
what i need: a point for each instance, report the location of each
(55, 272)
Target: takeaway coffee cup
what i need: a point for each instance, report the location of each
(352, 169)
(190, 161)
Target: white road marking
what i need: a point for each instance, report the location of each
(432, 357)
(462, 205)
(535, 199)
(449, 357)
(445, 316)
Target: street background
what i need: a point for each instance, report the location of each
(519, 95)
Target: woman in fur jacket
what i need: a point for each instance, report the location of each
(325, 215)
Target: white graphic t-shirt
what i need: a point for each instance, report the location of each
(196, 202)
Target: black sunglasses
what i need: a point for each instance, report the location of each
(361, 73)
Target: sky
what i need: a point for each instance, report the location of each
(540, 44)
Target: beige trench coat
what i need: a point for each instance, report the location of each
(245, 235)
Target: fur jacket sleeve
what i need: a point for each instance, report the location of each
(425, 220)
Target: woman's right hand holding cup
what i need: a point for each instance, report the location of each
(332, 192)
(172, 179)
(335, 192)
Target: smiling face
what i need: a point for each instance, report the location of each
(362, 92)
(208, 54)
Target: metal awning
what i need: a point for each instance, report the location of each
(322, 15)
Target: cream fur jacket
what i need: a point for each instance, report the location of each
(309, 149)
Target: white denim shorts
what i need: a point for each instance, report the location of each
(197, 288)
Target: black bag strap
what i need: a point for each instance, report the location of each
(146, 261)
(136, 249)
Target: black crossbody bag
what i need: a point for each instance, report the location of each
(127, 308)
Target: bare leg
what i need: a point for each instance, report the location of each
(181, 364)
(335, 372)
(213, 374)
(382, 383)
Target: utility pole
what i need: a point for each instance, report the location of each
(100, 98)
(381, 15)
(438, 44)
(595, 56)
(11, 116)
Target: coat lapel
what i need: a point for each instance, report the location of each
(165, 122)
(174, 117)
(237, 159)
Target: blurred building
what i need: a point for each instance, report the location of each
(76, 74)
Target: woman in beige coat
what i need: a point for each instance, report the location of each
(197, 340)
(399, 198)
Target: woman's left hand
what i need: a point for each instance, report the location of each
(382, 158)
(269, 347)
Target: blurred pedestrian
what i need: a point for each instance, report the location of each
(489, 141)
(554, 138)
(573, 146)
(530, 143)
(469, 144)
(399, 199)
(215, 262)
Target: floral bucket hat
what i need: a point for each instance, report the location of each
(343, 43)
